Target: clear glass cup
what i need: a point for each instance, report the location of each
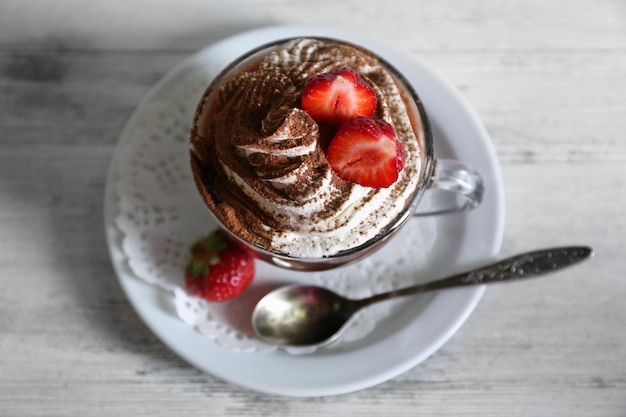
(449, 175)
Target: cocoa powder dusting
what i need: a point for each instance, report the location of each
(259, 160)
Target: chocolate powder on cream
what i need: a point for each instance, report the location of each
(259, 159)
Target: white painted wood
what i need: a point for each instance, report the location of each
(547, 77)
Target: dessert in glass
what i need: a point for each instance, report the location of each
(311, 152)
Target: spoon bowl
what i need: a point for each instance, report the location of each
(280, 316)
(312, 316)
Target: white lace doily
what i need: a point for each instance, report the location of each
(160, 214)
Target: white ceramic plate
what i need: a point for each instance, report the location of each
(416, 330)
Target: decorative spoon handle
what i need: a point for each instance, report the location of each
(526, 265)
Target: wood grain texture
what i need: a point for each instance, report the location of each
(546, 77)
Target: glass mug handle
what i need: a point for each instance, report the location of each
(456, 177)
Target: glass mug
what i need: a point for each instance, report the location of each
(435, 174)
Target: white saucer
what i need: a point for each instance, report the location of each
(416, 331)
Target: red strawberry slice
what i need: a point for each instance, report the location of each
(365, 151)
(217, 269)
(334, 97)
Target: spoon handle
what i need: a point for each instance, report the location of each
(526, 265)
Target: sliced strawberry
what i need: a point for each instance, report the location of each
(217, 269)
(334, 97)
(365, 151)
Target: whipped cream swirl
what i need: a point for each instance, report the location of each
(261, 161)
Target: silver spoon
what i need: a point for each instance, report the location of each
(311, 316)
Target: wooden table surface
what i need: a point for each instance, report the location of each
(548, 79)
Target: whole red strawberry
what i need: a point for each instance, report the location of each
(217, 269)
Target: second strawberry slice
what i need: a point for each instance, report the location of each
(365, 151)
